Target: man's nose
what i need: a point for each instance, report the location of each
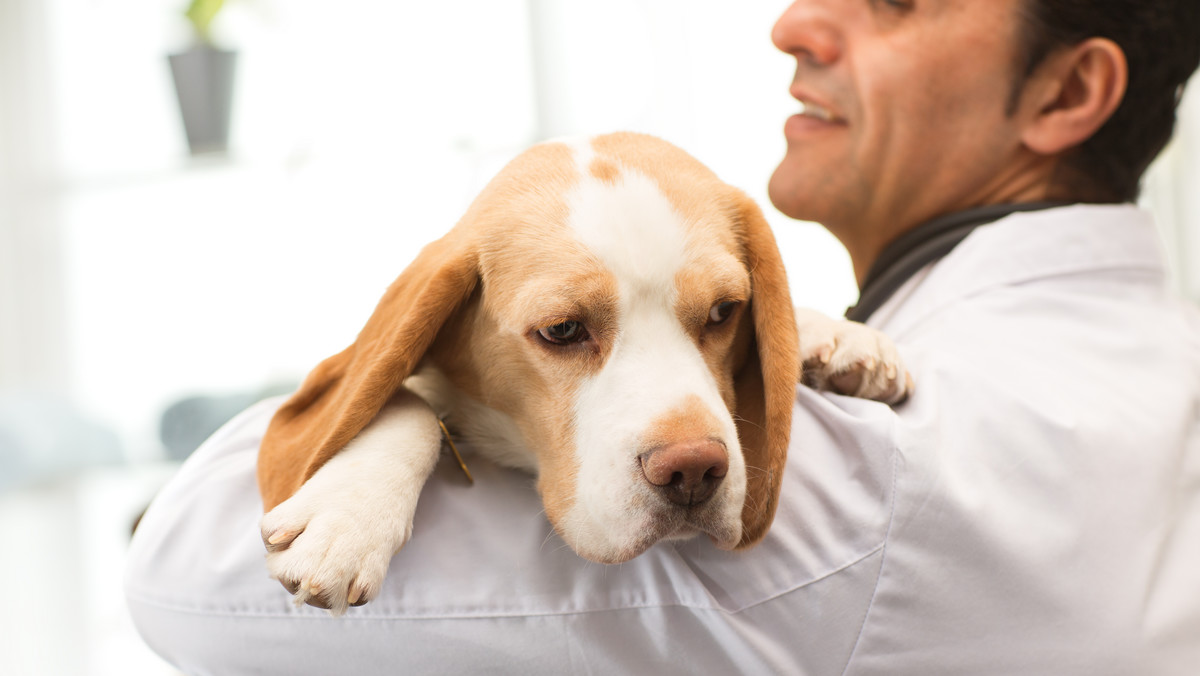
(808, 30)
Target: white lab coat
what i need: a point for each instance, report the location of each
(1034, 508)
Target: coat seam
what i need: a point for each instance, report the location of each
(883, 557)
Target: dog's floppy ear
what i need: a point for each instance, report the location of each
(766, 384)
(342, 394)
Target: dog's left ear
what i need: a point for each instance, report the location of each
(766, 385)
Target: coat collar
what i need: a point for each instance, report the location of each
(924, 244)
(1026, 247)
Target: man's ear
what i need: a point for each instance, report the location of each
(1072, 94)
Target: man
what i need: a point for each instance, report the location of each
(1033, 509)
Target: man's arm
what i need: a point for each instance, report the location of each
(485, 584)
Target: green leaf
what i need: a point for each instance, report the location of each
(201, 14)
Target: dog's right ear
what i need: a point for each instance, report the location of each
(766, 385)
(346, 391)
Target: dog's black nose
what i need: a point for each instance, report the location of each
(687, 472)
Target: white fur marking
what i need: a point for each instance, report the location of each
(632, 228)
(652, 369)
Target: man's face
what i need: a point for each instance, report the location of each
(911, 122)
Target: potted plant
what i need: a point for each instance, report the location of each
(204, 82)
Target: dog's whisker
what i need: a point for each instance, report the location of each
(753, 502)
(751, 470)
(740, 419)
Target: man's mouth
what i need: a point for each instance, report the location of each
(813, 118)
(817, 111)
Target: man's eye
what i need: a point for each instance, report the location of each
(564, 333)
(721, 312)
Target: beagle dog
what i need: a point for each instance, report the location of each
(607, 315)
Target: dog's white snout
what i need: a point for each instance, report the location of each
(686, 473)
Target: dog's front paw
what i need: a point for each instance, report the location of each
(850, 358)
(333, 554)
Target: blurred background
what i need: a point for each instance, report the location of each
(150, 288)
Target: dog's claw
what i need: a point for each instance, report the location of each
(280, 537)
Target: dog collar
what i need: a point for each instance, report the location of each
(924, 244)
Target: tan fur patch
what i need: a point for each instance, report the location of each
(693, 189)
(691, 421)
(604, 170)
(697, 290)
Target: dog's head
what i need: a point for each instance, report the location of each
(627, 311)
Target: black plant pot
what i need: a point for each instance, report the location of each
(204, 84)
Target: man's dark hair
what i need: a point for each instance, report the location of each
(1161, 41)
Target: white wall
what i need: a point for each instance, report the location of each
(1172, 190)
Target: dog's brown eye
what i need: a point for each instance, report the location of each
(564, 333)
(721, 312)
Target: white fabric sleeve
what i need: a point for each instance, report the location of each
(486, 586)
